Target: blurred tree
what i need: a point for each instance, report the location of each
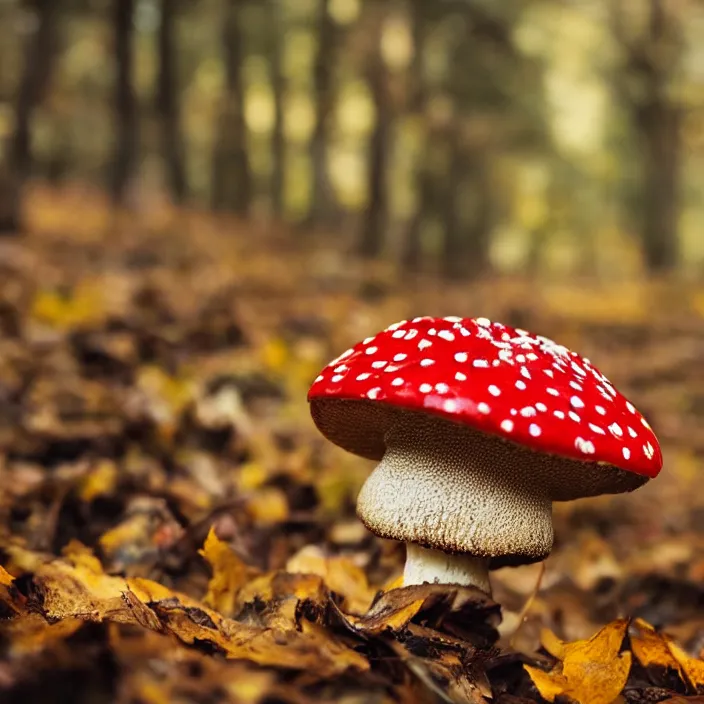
(412, 253)
(232, 178)
(376, 220)
(278, 87)
(651, 56)
(39, 53)
(322, 198)
(168, 103)
(126, 110)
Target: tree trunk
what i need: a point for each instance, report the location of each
(232, 178)
(661, 137)
(39, 51)
(126, 143)
(322, 198)
(651, 60)
(278, 138)
(168, 105)
(412, 253)
(465, 253)
(371, 243)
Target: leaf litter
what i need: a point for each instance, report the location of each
(172, 528)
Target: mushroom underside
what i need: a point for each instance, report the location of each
(362, 427)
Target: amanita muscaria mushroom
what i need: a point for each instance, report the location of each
(478, 428)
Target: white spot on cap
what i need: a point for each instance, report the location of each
(400, 357)
(393, 326)
(535, 430)
(363, 376)
(576, 386)
(597, 429)
(484, 322)
(541, 407)
(318, 378)
(371, 350)
(632, 432)
(460, 376)
(559, 414)
(549, 372)
(507, 425)
(528, 412)
(340, 368)
(506, 356)
(442, 388)
(425, 388)
(427, 362)
(574, 417)
(336, 378)
(449, 405)
(391, 368)
(626, 453)
(367, 340)
(379, 364)
(373, 393)
(600, 410)
(525, 373)
(494, 390)
(615, 429)
(446, 335)
(552, 392)
(453, 319)
(398, 334)
(424, 343)
(576, 402)
(398, 381)
(585, 446)
(411, 334)
(480, 363)
(483, 408)
(520, 384)
(461, 356)
(630, 407)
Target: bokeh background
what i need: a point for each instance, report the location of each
(453, 136)
(204, 201)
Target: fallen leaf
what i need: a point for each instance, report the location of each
(591, 671)
(230, 574)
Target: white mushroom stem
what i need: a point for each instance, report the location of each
(459, 499)
(434, 566)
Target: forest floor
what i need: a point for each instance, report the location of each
(174, 529)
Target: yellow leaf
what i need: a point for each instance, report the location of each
(340, 573)
(591, 671)
(692, 668)
(268, 505)
(652, 648)
(230, 573)
(100, 481)
(552, 644)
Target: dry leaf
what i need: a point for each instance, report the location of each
(591, 671)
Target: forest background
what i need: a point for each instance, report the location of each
(202, 202)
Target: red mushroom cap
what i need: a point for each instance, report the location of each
(493, 378)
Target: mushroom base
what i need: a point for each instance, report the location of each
(434, 566)
(456, 491)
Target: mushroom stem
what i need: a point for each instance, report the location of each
(434, 566)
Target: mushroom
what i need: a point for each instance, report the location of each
(478, 427)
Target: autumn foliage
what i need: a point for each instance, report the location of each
(174, 529)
